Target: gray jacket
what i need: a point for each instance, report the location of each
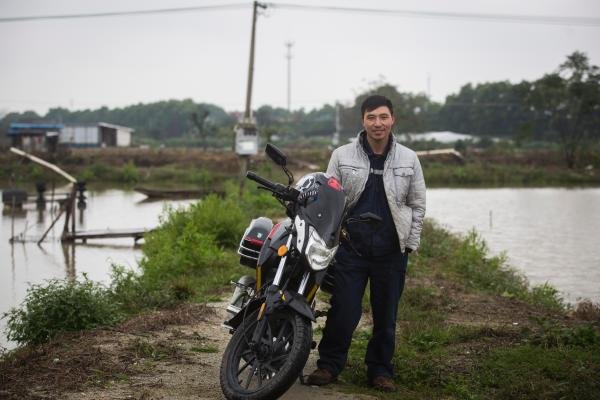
(402, 179)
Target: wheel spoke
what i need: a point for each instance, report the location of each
(249, 378)
(247, 357)
(244, 367)
(283, 338)
(278, 358)
(260, 381)
(283, 326)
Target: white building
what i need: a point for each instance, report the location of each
(101, 134)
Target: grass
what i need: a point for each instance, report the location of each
(516, 344)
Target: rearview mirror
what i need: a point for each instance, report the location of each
(276, 155)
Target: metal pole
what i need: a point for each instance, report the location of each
(248, 112)
(289, 75)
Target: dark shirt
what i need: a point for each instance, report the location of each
(373, 240)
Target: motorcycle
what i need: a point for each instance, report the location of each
(271, 314)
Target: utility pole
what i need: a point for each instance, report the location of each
(248, 113)
(428, 91)
(429, 85)
(289, 75)
(335, 140)
(246, 135)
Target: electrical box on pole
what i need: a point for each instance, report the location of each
(246, 138)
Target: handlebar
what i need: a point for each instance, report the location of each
(279, 190)
(260, 180)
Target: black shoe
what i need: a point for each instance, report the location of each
(384, 384)
(320, 377)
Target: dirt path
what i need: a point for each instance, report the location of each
(163, 359)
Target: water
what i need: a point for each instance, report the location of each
(26, 263)
(552, 235)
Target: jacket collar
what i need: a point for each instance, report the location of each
(363, 145)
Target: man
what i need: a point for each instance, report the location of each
(380, 176)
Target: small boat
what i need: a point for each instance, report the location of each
(174, 193)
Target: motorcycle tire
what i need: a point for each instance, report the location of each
(273, 371)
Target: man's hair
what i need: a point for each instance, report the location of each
(375, 101)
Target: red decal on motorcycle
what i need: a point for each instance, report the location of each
(273, 230)
(254, 241)
(334, 184)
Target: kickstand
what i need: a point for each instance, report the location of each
(302, 379)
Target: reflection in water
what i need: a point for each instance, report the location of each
(41, 216)
(12, 273)
(69, 256)
(14, 212)
(69, 251)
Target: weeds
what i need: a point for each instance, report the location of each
(466, 260)
(531, 372)
(550, 334)
(204, 349)
(61, 306)
(142, 348)
(588, 311)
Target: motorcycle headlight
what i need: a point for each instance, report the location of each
(317, 253)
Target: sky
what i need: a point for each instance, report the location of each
(203, 55)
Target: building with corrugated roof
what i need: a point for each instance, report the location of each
(45, 137)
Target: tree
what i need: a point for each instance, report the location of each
(199, 120)
(413, 112)
(570, 99)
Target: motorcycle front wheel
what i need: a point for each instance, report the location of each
(269, 369)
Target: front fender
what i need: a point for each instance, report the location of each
(298, 304)
(290, 299)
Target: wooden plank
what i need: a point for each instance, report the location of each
(106, 234)
(44, 163)
(441, 152)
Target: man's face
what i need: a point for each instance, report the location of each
(378, 123)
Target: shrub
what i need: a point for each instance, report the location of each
(133, 293)
(191, 240)
(60, 306)
(130, 173)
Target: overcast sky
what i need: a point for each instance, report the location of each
(203, 55)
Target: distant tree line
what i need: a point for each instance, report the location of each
(562, 106)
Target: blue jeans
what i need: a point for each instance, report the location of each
(386, 276)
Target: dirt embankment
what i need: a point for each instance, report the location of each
(175, 354)
(221, 161)
(170, 354)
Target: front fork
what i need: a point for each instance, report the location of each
(274, 296)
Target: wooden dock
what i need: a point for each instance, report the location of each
(136, 234)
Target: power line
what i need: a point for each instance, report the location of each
(518, 18)
(126, 13)
(511, 18)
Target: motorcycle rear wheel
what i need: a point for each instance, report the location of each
(267, 372)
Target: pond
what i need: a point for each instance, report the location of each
(27, 263)
(550, 234)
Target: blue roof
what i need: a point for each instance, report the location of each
(16, 128)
